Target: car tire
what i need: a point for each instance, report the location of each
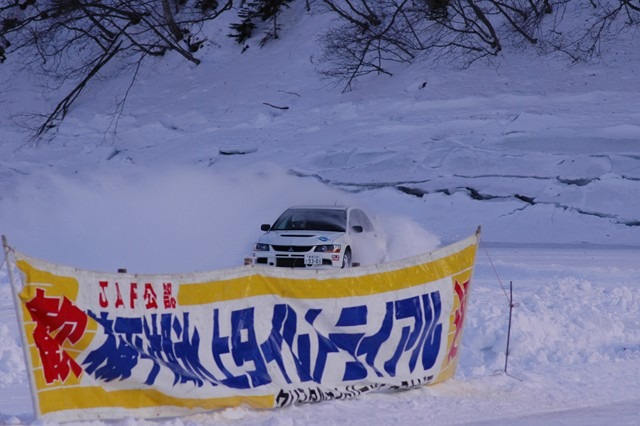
(346, 259)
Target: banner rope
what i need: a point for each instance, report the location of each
(495, 271)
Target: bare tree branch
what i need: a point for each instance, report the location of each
(73, 40)
(465, 29)
(61, 110)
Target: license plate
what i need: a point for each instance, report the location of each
(312, 259)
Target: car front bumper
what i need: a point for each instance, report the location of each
(298, 260)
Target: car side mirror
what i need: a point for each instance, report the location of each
(357, 228)
(265, 227)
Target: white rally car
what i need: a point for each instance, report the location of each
(319, 237)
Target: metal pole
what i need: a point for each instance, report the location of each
(506, 358)
(21, 330)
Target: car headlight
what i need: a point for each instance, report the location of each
(328, 248)
(261, 247)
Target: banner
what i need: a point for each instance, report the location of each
(113, 345)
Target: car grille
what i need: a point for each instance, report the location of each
(293, 249)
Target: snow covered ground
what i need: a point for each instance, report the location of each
(543, 155)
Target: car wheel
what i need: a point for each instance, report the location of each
(346, 259)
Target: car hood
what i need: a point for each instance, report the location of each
(297, 238)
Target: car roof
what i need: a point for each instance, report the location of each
(320, 207)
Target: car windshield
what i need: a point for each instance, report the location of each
(312, 220)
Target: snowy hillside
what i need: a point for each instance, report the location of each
(543, 154)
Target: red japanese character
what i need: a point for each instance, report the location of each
(57, 319)
(169, 300)
(150, 296)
